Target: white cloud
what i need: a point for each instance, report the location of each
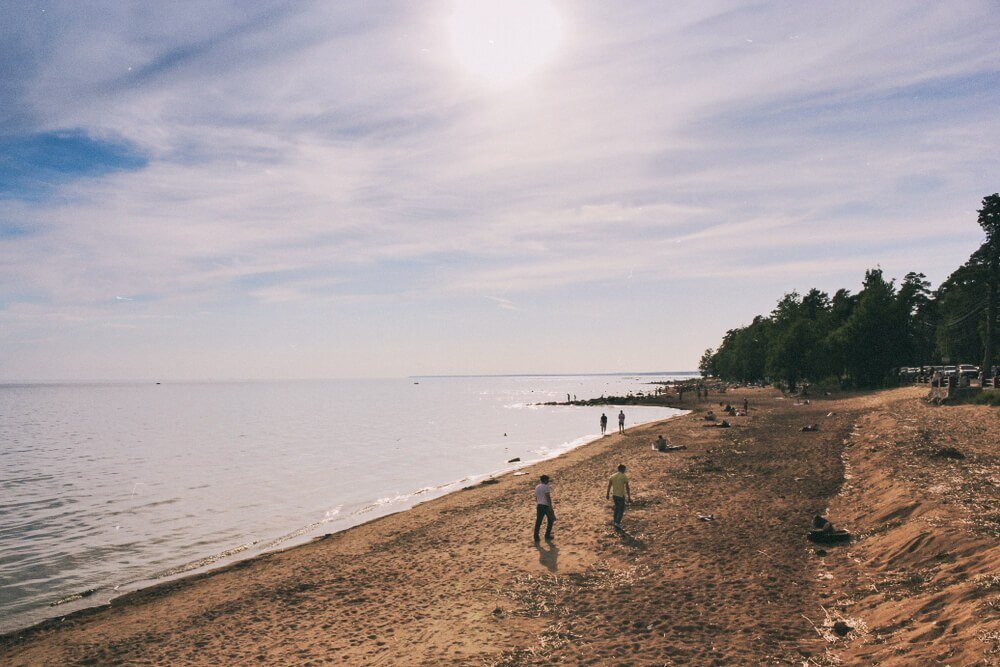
(330, 153)
(502, 303)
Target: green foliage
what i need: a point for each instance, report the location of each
(989, 217)
(707, 365)
(793, 349)
(860, 339)
(988, 397)
(874, 335)
(989, 220)
(743, 352)
(959, 304)
(853, 338)
(921, 312)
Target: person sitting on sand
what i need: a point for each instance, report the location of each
(724, 424)
(710, 417)
(543, 508)
(618, 484)
(810, 427)
(661, 444)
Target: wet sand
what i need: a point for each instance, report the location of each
(459, 581)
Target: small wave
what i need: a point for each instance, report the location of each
(73, 598)
(156, 503)
(204, 562)
(382, 502)
(257, 545)
(18, 481)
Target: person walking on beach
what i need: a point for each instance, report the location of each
(619, 489)
(604, 424)
(621, 421)
(543, 508)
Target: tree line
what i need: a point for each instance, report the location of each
(859, 339)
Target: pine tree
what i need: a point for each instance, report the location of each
(989, 220)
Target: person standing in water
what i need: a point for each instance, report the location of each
(619, 489)
(604, 424)
(621, 421)
(543, 508)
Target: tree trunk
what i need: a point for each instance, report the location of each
(991, 318)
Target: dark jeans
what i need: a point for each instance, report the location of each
(546, 512)
(619, 508)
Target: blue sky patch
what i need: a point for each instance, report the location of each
(9, 230)
(32, 165)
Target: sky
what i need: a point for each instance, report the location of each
(247, 189)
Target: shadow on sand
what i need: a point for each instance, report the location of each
(548, 557)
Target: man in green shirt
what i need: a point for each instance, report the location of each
(618, 487)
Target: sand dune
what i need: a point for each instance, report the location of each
(922, 585)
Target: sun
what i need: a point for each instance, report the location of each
(504, 41)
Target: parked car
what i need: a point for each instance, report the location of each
(968, 371)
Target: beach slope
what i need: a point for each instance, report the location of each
(712, 567)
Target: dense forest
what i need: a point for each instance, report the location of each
(859, 339)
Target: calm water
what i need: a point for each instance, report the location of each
(107, 487)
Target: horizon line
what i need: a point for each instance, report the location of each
(21, 381)
(546, 375)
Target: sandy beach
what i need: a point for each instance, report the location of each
(459, 581)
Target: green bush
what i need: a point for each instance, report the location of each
(988, 397)
(830, 384)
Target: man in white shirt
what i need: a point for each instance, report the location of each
(543, 508)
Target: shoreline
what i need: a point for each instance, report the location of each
(456, 579)
(220, 562)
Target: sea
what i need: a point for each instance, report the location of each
(109, 487)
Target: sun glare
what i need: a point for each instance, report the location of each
(504, 41)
